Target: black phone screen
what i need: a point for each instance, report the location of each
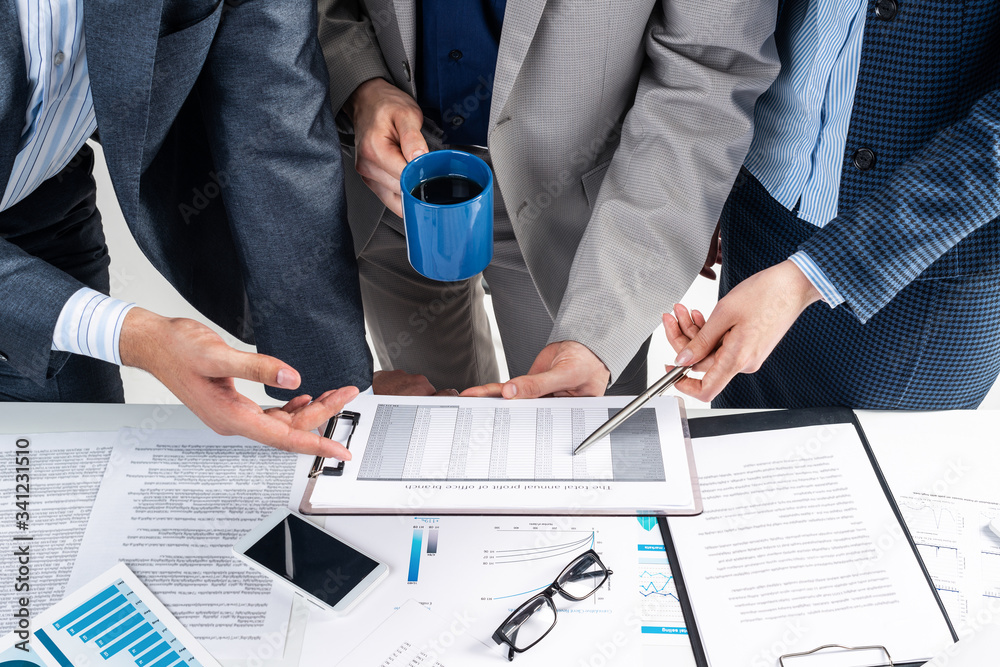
(316, 562)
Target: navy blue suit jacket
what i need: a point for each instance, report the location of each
(224, 155)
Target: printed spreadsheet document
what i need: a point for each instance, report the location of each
(460, 455)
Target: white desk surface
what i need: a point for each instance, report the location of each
(891, 435)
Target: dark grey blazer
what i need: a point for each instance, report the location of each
(225, 160)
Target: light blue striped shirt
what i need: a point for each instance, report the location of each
(91, 324)
(801, 122)
(57, 122)
(60, 114)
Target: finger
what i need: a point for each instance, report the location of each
(702, 366)
(238, 415)
(684, 320)
(322, 409)
(447, 392)
(541, 384)
(689, 386)
(491, 390)
(698, 318)
(411, 141)
(385, 193)
(280, 436)
(703, 342)
(717, 377)
(675, 336)
(228, 362)
(373, 174)
(296, 403)
(389, 150)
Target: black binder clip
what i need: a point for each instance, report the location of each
(318, 466)
(882, 649)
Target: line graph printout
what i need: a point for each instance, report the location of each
(437, 455)
(962, 555)
(449, 442)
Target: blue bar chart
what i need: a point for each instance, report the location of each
(114, 628)
(424, 543)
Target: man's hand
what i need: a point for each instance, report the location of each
(198, 367)
(387, 125)
(566, 368)
(401, 383)
(742, 331)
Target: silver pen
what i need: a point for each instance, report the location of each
(660, 386)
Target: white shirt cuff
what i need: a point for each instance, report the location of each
(819, 280)
(91, 324)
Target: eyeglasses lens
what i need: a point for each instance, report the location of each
(530, 623)
(583, 577)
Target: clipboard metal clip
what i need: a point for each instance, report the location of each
(319, 466)
(888, 663)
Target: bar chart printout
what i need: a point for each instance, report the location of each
(121, 625)
(442, 442)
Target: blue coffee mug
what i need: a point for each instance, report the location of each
(448, 242)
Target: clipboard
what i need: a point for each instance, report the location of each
(319, 467)
(330, 479)
(775, 420)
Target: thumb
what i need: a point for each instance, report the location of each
(259, 368)
(536, 386)
(703, 343)
(411, 141)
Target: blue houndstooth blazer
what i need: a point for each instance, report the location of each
(915, 248)
(928, 108)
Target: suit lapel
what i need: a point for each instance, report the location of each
(13, 89)
(121, 38)
(519, 24)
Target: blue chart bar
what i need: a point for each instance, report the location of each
(103, 611)
(53, 649)
(85, 607)
(127, 641)
(418, 539)
(432, 541)
(168, 659)
(111, 621)
(663, 630)
(145, 643)
(130, 622)
(152, 654)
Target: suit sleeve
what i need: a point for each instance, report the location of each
(34, 295)
(271, 133)
(682, 144)
(353, 56)
(941, 195)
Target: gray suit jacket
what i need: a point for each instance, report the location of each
(222, 151)
(616, 131)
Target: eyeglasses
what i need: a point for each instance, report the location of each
(534, 619)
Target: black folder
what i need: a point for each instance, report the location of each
(770, 421)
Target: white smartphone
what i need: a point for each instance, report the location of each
(317, 564)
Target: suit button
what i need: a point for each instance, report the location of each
(886, 9)
(864, 159)
(455, 54)
(457, 121)
(406, 68)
